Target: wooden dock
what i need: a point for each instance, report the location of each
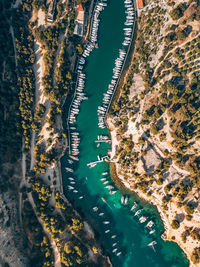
(97, 161)
(103, 141)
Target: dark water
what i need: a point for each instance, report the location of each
(132, 238)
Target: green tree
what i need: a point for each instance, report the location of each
(175, 224)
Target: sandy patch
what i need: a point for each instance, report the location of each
(41, 17)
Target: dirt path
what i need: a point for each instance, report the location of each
(32, 150)
(14, 45)
(37, 67)
(53, 244)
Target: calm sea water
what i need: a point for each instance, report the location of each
(132, 237)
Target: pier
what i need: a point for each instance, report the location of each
(119, 64)
(98, 161)
(103, 141)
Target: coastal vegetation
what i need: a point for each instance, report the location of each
(13, 240)
(10, 118)
(45, 57)
(24, 59)
(156, 116)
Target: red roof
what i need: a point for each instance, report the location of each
(140, 4)
(79, 7)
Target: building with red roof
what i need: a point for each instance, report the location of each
(140, 4)
(79, 21)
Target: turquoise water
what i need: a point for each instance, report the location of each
(132, 237)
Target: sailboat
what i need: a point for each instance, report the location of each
(134, 206)
(151, 244)
(137, 212)
(142, 219)
(126, 200)
(150, 224)
(152, 231)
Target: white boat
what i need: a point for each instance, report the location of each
(104, 173)
(107, 231)
(151, 244)
(137, 212)
(101, 214)
(118, 254)
(114, 250)
(69, 169)
(150, 224)
(122, 200)
(95, 209)
(152, 231)
(112, 192)
(70, 187)
(134, 206)
(126, 200)
(114, 244)
(142, 219)
(93, 165)
(109, 187)
(80, 197)
(106, 222)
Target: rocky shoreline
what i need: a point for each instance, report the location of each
(124, 185)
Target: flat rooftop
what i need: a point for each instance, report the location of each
(140, 3)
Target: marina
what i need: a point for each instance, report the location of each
(94, 193)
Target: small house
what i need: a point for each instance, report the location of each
(79, 20)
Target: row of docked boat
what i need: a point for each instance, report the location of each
(124, 200)
(102, 137)
(119, 63)
(95, 23)
(143, 218)
(75, 141)
(130, 20)
(79, 95)
(115, 248)
(108, 186)
(72, 187)
(107, 97)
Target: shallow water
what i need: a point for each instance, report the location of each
(132, 238)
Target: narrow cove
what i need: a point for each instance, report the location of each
(103, 211)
